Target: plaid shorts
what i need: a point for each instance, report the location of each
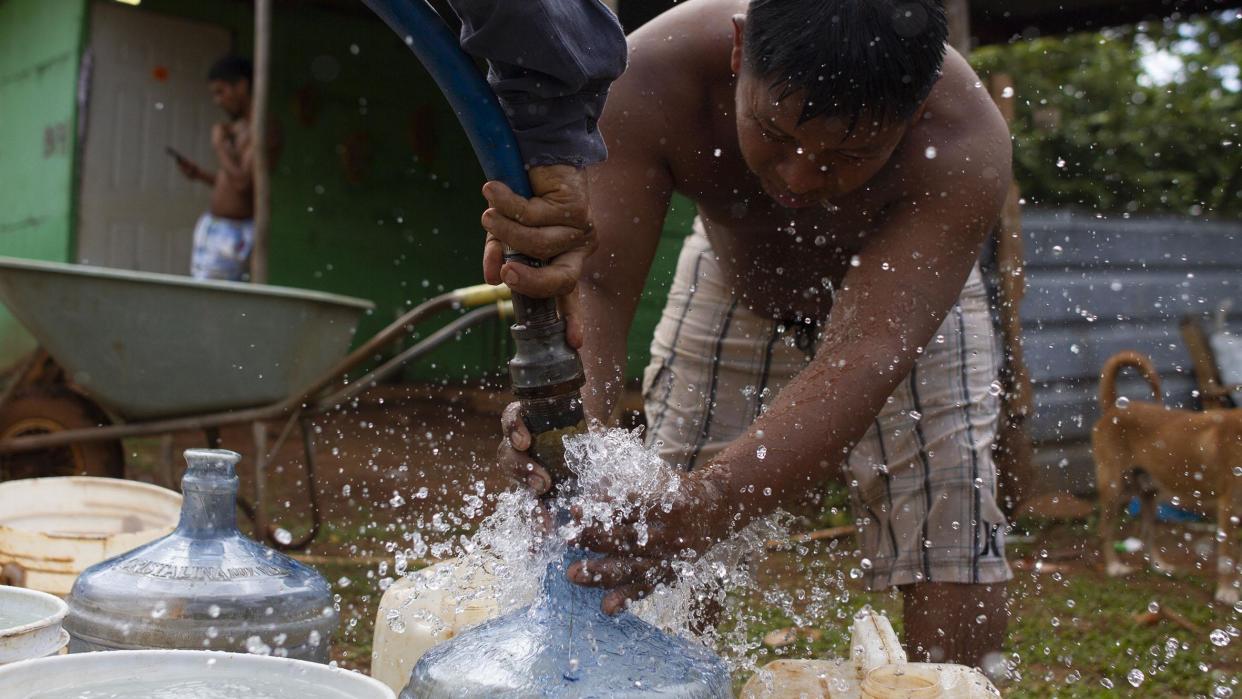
(922, 479)
(222, 248)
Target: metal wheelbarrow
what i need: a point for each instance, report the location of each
(127, 354)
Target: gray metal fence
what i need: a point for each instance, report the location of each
(1096, 286)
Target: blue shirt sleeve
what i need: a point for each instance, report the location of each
(551, 63)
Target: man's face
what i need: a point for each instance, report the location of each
(232, 97)
(807, 164)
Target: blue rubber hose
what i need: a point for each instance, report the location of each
(471, 98)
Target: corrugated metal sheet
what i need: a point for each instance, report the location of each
(1100, 285)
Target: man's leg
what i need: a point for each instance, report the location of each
(955, 623)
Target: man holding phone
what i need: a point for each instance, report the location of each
(224, 235)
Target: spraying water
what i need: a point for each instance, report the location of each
(511, 555)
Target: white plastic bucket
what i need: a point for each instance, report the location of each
(155, 671)
(54, 528)
(30, 624)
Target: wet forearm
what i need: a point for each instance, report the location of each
(607, 322)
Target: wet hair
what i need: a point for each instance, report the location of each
(853, 59)
(232, 70)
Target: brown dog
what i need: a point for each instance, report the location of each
(1142, 447)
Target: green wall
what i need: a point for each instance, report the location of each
(40, 43)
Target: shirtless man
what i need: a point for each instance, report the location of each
(827, 320)
(224, 236)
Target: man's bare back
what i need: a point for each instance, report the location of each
(779, 257)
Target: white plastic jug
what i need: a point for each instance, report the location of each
(877, 669)
(421, 611)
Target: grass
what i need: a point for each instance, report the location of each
(1072, 631)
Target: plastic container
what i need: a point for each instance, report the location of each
(185, 675)
(51, 529)
(30, 624)
(908, 681)
(421, 611)
(563, 645)
(877, 669)
(205, 586)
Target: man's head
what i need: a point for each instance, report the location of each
(827, 88)
(229, 81)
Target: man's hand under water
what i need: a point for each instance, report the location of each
(553, 226)
(699, 517)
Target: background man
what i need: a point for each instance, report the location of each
(224, 235)
(827, 320)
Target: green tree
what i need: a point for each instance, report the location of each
(1097, 130)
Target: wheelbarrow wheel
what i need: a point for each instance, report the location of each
(45, 411)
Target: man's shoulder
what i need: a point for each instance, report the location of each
(689, 43)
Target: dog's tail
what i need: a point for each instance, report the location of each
(1108, 377)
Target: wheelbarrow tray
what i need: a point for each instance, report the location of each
(147, 345)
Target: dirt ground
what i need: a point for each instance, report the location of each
(387, 464)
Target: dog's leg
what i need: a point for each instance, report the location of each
(1226, 539)
(1108, 481)
(1147, 501)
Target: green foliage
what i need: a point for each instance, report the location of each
(1095, 131)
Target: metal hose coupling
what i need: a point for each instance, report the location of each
(547, 380)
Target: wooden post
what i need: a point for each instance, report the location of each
(1013, 452)
(958, 12)
(258, 137)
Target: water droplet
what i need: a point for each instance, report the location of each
(855, 261)
(283, 536)
(930, 153)
(1106, 683)
(1135, 677)
(716, 152)
(256, 646)
(343, 581)
(1057, 249)
(396, 500)
(761, 453)
(994, 389)
(1153, 606)
(1122, 402)
(1007, 93)
(214, 611)
(1219, 638)
(345, 490)
(981, 619)
(821, 241)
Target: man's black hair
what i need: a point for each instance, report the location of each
(854, 59)
(231, 69)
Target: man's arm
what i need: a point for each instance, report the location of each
(551, 63)
(890, 305)
(634, 187)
